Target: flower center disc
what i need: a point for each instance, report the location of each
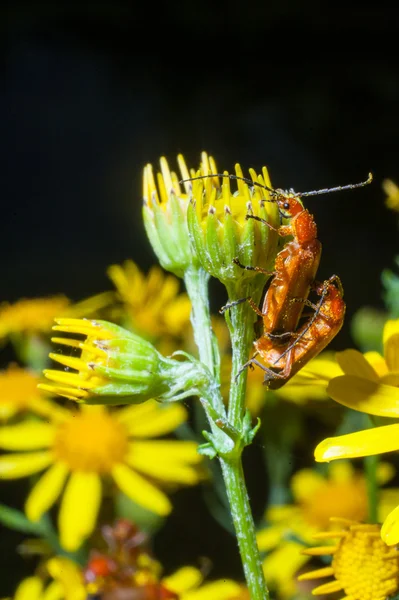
(91, 442)
(363, 568)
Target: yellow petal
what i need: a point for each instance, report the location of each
(69, 575)
(29, 435)
(169, 451)
(161, 469)
(304, 483)
(366, 396)
(13, 466)
(312, 380)
(353, 362)
(361, 443)
(388, 500)
(390, 528)
(391, 328)
(391, 350)
(217, 590)
(53, 591)
(377, 362)
(46, 491)
(141, 491)
(341, 472)
(29, 589)
(163, 419)
(270, 537)
(281, 566)
(184, 579)
(79, 509)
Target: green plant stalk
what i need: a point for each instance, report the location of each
(244, 526)
(196, 282)
(370, 465)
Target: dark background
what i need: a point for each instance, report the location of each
(94, 91)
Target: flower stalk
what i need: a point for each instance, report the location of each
(236, 427)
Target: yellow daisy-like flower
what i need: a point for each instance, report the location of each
(67, 583)
(343, 493)
(31, 316)
(118, 367)
(392, 192)
(363, 566)
(19, 393)
(79, 448)
(152, 301)
(370, 384)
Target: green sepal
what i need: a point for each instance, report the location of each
(214, 245)
(207, 449)
(197, 237)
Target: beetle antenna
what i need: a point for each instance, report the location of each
(340, 188)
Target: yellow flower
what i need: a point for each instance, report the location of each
(392, 192)
(66, 584)
(19, 393)
(363, 567)
(80, 448)
(152, 301)
(343, 493)
(370, 384)
(118, 367)
(31, 316)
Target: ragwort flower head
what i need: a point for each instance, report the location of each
(118, 367)
(81, 448)
(220, 230)
(342, 492)
(363, 566)
(370, 384)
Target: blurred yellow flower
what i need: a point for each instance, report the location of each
(18, 393)
(66, 584)
(342, 492)
(152, 302)
(81, 447)
(392, 192)
(31, 316)
(363, 567)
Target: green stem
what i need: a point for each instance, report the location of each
(370, 465)
(196, 281)
(240, 325)
(245, 528)
(240, 320)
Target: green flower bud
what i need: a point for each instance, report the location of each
(220, 230)
(119, 367)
